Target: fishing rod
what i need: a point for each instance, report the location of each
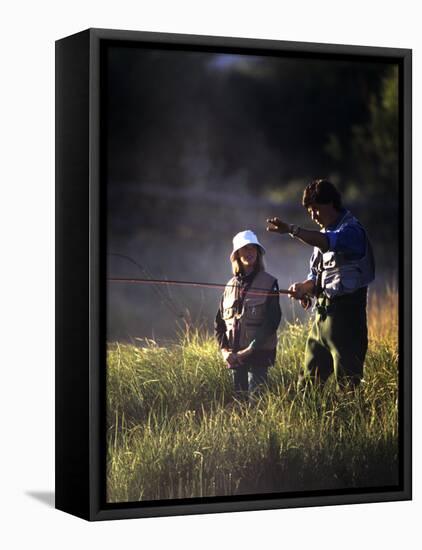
(163, 297)
(256, 291)
(306, 300)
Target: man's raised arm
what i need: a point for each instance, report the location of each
(312, 238)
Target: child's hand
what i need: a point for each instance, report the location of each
(229, 356)
(246, 351)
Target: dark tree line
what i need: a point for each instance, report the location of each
(264, 125)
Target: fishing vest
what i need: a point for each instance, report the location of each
(247, 322)
(340, 275)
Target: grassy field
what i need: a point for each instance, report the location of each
(174, 430)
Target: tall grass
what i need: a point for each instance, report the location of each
(175, 430)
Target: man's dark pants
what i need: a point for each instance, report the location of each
(338, 340)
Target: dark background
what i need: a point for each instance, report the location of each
(202, 145)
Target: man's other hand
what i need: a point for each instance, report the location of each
(298, 290)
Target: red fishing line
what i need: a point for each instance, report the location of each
(256, 292)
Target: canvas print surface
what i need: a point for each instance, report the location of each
(252, 220)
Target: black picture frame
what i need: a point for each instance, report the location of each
(80, 280)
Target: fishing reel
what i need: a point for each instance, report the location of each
(306, 301)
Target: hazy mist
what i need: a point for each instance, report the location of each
(203, 145)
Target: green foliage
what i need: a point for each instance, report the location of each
(369, 152)
(375, 145)
(175, 431)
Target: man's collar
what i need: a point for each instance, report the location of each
(339, 219)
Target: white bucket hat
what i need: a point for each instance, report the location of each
(242, 239)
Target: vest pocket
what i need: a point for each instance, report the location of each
(254, 312)
(331, 282)
(329, 259)
(340, 280)
(228, 313)
(350, 281)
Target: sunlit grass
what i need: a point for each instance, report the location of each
(175, 431)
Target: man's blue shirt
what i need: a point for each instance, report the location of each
(348, 239)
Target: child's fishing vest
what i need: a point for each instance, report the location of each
(340, 275)
(252, 315)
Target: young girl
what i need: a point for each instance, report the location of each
(248, 317)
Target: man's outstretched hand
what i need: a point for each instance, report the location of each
(276, 225)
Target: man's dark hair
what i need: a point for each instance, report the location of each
(321, 192)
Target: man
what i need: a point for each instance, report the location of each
(342, 266)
